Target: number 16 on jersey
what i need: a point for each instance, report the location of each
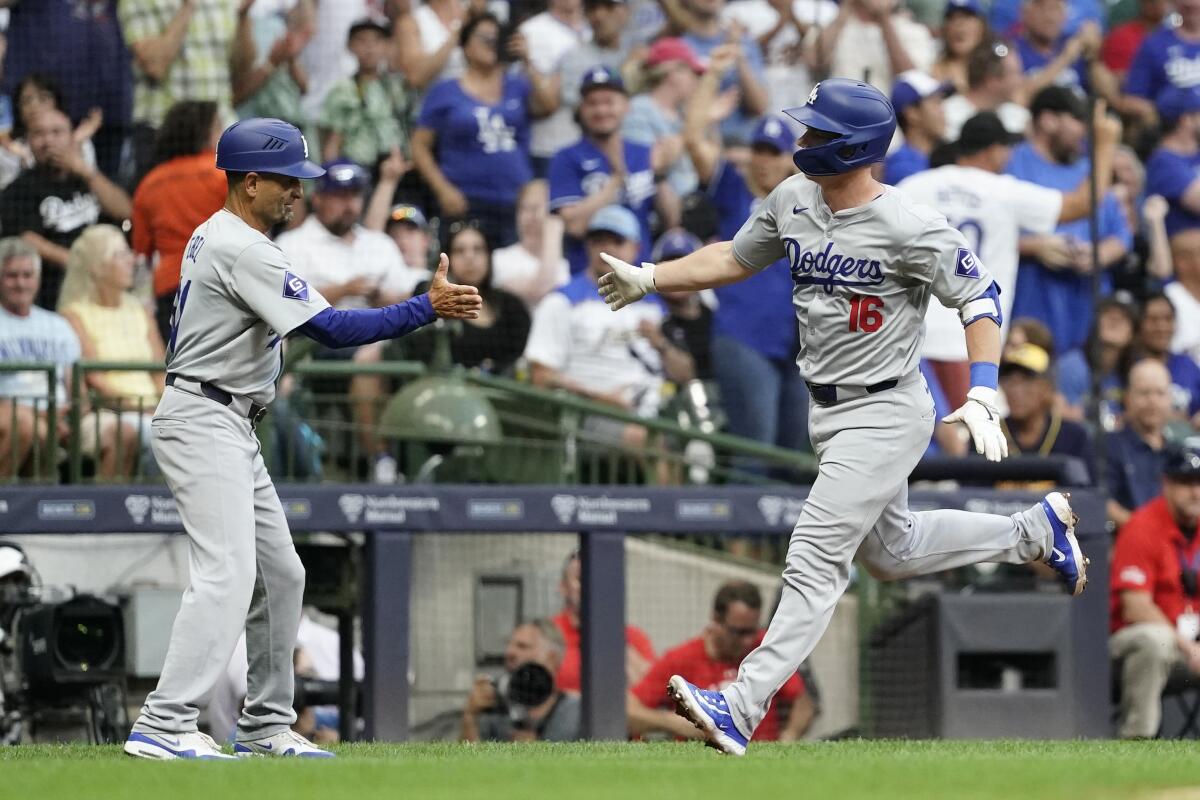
(865, 316)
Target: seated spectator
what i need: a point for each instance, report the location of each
(1173, 169)
(711, 661)
(1155, 597)
(471, 144)
(873, 38)
(1135, 453)
(34, 94)
(1051, 57)
(1054, 280)
(408, 228)
(29, 333)
(51, 203)
(112, 325)
(534, 265)
(578, 345)
(603, 168)
(1156, 330)
(917, 99)
(1164, 59)
(609, 47)
(639, 652)
(964, 27)
(1033, 427)
(1184, 292)
(495, 339)
(994, 83)
(554, 32)
(358, 120)
(492, 717)
(655, 117)
(1108, 351)
(164, 215)
(182, 51)
(1123, 41)
(705, 28)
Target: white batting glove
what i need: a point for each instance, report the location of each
(982, 419)
(626, 283)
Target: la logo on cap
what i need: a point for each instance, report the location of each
(599, 74)
(304, 142)
(812, 96)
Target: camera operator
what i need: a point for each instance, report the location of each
(524, 705)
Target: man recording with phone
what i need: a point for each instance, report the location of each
(524, 704)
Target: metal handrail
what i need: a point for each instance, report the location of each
(51, 371)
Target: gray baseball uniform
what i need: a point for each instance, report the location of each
(237, 298)
(863, 278)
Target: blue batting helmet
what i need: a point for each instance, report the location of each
(265, 145)
(857, 113)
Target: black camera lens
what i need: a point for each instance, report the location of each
(530, 685)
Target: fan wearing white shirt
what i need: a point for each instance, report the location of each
(534, 265)
(991, 210)
(553, 33)
(995, 82)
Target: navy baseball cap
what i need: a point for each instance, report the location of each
(675, 243)
(912, 86)
(410, 214)
(263, 144)
(1182, 460)
(964, 7)
(775, 132)
(1173, 102)
(616, 219)
(343, 174)
(601, 77)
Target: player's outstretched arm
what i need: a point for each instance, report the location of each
(706, 268)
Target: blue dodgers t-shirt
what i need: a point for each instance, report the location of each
(482, 149)
(1170, 174)
(1073, 76)
(905, 160)
(580, 170)
(1163, 60)
(1062, 299)
(1004, 16)
(1185, 383)
(757, 311)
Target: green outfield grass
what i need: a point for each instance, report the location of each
(837, 771)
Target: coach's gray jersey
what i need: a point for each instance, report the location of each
(862, 277)
(238, 297)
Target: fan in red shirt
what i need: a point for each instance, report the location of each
(1155, 604)
(1122, 42)
(711, 661)
(639, 652)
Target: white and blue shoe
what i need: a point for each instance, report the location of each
(286, 743)
(709, 712)
(1065, 557)
(167, 747)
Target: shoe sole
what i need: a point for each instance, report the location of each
(1082, 562)
(152, 753)
(686, 707)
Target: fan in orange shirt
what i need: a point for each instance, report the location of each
(182, 191)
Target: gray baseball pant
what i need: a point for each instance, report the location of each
(244, 571)
(859, 505)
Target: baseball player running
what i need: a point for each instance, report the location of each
(864, 260)
(238, 297)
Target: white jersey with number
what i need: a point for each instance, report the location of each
(238, 297)
(862, 276)
(991, 211)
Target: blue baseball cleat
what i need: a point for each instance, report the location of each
(709, 712)
(1065, 557)
(285, 743)
(167, 747)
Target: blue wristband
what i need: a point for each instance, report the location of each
(984, 373)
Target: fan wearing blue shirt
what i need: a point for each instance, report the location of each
(1054, 282)
(1156, 328)
(1173, 169)
(917, 98)
(1051, 56)
(708, 29)
(471, 143)
(754, 326)
(1169, 56)
(602, 168)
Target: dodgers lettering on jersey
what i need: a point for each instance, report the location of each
(862, 277)
(238, 297)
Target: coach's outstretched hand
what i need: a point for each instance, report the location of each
(626, 283)
(451, 300)
(982, 419)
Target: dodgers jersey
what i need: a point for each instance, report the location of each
(862, 277)
(990, 210)
(237, 299)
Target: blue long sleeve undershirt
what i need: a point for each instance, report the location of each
(333, 328)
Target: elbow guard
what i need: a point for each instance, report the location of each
(985, 305)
